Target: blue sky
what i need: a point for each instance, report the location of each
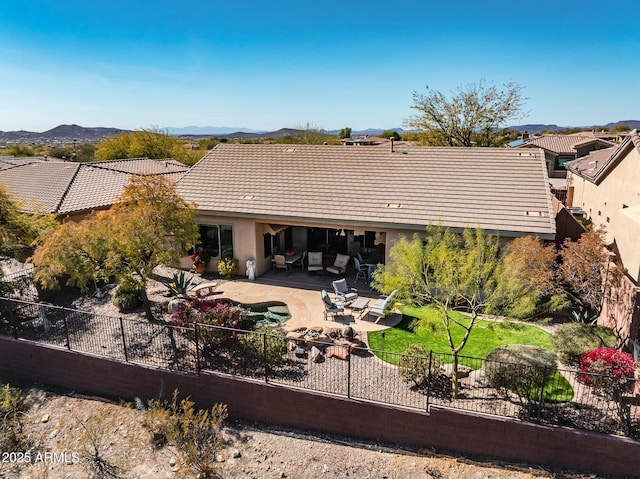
(266, 65)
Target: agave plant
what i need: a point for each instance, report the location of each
(180, 284)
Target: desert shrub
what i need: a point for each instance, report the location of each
(95, 442)
(252, 346)
(610, 374)
(129, 294)
(572, 340)
(180, 284)
(196, 433)
(522, 370)
(11, 411)
(228, 267)
(416, 368)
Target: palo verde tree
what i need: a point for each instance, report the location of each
(447, 270)
(149, 225)
(471, 116)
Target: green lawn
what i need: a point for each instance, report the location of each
(485, 336)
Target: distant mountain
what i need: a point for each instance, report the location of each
(61, 133)
(537, 128)
(208, 130)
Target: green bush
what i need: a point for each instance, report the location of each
(11, 410)
(415, 367)
(129, 294)
(572, 340)
(228, 267)
(529, 372)
(252, 346)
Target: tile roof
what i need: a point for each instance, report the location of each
(143, 166)
(66, 187)
(39, 186)
(597, 165)
(561, 144)
(501, 189)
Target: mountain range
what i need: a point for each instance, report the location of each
(73, 133)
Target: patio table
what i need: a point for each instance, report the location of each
(359, 306)
(289, 259)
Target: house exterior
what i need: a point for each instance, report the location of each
(254, 200)
(72, 190)
(559, 149)
(606, 185)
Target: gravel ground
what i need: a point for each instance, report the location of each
(54, 421)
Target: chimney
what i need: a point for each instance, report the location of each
(391, 138)
(525, 135)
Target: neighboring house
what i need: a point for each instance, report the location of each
(72, 190)
(254, 200)
(559, 149)
(606, 185)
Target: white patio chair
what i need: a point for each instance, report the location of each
(339, 266)
(315, 261)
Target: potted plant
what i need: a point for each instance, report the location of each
(200, 260)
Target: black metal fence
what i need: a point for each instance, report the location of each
(559, 397)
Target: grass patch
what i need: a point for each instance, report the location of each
(557, 389)
(485, 336)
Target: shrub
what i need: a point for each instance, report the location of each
(129, 294)
(228, 267)
(572, 340)
(196, 434)
(607, 371)
(522, 370)
(11, 410)
(414, 366)
(180, 284)
(252, 346)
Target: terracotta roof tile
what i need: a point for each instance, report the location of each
(501, 189)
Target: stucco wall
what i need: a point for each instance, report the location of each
(604, 205)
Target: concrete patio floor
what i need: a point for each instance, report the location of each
(305, 305)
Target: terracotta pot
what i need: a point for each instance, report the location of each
(200, 268)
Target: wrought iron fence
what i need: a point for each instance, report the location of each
(554, 397)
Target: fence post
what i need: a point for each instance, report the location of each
(66, 328)
(13, 323)
(429, 378)
(195, 329)
(124, 343)
(264, 356)
(348, 372)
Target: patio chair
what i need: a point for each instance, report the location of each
(334, 308)
(362, 270)
(339, 266)
(315, 261)
(343, 292)
(300, 262)
(381, 307)
(280, 263)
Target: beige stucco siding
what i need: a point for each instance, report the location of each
(606, 205)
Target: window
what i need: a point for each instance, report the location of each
(561, 160)
(216, 240)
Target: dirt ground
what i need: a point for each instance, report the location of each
(57, 421)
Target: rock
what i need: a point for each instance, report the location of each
(173, 461)
(463, 371)
(219, 458)
(316, 355)
(348, 332)
(325, 468)
(477, 378)
(317, 329)
(175, 304)
(53, 434)
(295, 335)
(236, 454)
(45, 418)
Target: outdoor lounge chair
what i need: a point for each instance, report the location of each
(334, 308)
(339, 266)
(315, 261)
(381, 307)
(343, 292)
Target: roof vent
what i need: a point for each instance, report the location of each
(289, 150)
(248, 197)
(393, 205)
(539, 214)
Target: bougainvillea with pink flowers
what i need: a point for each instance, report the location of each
(607, 371)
